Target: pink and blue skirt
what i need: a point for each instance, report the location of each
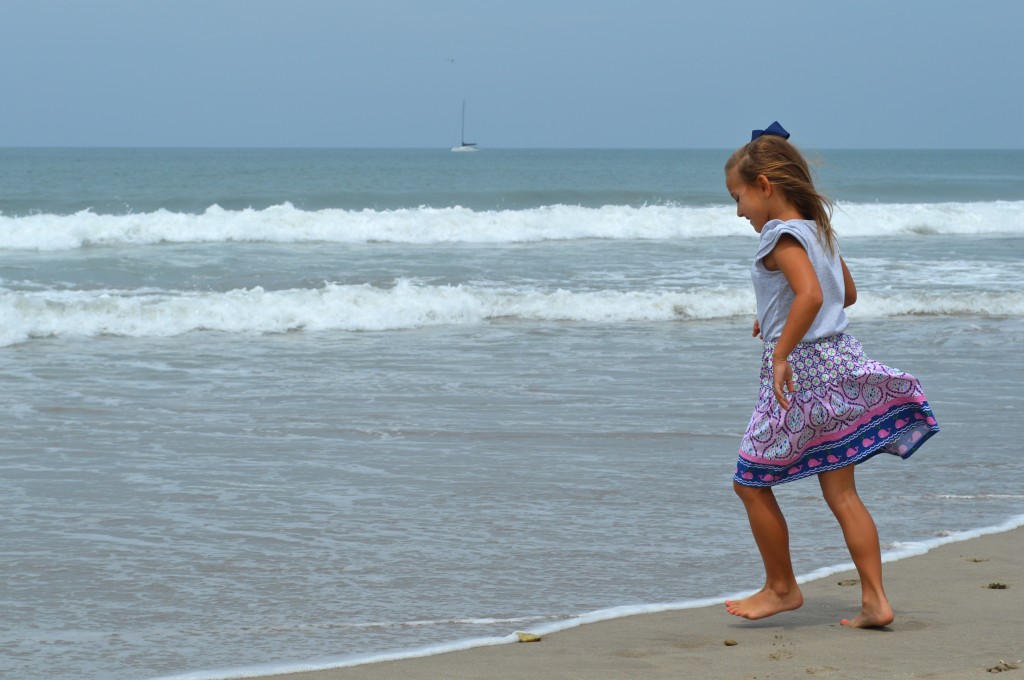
(846, 409)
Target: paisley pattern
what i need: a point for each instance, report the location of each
(846, 408)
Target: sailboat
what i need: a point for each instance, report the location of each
(464, 146)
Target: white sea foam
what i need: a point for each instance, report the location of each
(25, 315)
(898, 552)
(36, 314)
(938, 303)
(890, 219)
(288, 224)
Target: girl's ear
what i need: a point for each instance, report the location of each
(764, 185)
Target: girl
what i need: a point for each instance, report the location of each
(823, 405)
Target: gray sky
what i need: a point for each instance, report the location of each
(535, 73)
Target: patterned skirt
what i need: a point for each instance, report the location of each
(846, 408)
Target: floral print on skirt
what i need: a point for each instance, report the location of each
(846, 408)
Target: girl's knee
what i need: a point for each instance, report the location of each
(837, 483)
(840, 494)
(739, 489)
(751, 492)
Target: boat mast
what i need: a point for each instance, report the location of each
(462, 134)
(463, 144)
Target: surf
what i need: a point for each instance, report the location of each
(285, 223)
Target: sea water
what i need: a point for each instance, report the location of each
(278, 409)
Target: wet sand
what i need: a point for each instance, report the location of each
(959, 614)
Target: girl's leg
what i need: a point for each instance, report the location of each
(840, 492)
(780, 592)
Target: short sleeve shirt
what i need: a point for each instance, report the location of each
(774, 295)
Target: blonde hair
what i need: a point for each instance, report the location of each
(785, 167)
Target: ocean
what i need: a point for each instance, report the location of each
(272, 410)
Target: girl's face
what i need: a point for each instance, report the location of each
(752, 200)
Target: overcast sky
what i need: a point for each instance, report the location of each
(534, 73)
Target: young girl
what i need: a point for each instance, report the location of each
(823, 405)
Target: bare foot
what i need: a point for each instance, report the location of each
(765, 603)
(876, 617)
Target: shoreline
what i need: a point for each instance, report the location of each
(953, 620)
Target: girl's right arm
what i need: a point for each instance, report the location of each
(790, 257)
(848, 285)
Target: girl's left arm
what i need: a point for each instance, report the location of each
(848, 285)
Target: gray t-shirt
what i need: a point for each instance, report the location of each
(775, 297)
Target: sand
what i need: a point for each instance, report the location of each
(959, 614)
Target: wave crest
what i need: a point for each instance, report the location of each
(287, 224)
(406, 305)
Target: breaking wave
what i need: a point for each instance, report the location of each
(288, 224)
(406, 304)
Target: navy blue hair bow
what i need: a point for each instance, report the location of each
(773, 129)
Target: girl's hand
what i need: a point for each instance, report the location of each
(757, 329)
(782, 376)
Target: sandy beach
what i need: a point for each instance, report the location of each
(958, 615)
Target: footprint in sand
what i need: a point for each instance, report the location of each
(782, 653)
(1003, 666)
